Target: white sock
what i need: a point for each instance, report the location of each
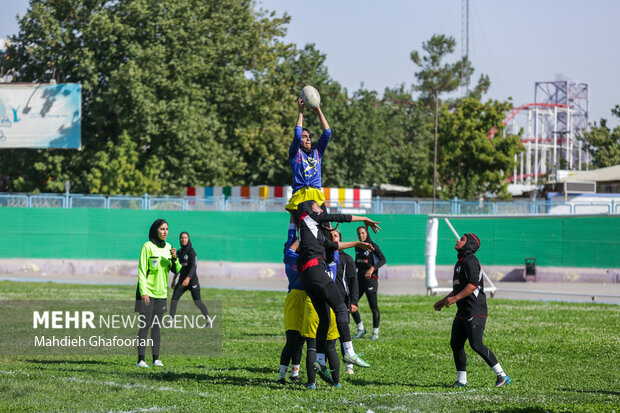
(360, 325)
(498, 370)
(461, 376)
(295, 370)
(348, 348)
(282, 371)
(320, 358)
(375, 331)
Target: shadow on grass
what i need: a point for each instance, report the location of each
(265, 370)
(216, 379)
(363, 382)
(67, 361)
(516, 410)
(612, 393)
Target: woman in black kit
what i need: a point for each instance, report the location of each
(315, 239)
(188, 279)
(471, 315)
(368, 264)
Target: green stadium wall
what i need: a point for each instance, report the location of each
(576, 241)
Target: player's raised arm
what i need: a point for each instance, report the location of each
(292, 151)
(324, 124)
(327, 133)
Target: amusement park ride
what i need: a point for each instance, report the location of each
(551, 132)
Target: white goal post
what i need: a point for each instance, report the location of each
(430, 252)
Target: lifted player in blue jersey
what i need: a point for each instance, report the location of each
(306, 161)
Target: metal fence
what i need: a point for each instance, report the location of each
(375, 206)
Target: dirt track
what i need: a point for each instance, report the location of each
(555, 291)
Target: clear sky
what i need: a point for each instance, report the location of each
(516, 43)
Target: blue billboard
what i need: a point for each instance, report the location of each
(40, 115)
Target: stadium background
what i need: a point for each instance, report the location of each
(99, 234)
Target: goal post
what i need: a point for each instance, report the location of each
(430, 252)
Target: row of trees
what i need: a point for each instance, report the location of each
(193, 92)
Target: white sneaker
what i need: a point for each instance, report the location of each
(142, 363)
(158, 363)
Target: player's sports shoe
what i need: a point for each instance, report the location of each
(142, 363)
(349, 370)
(359, 334)
(459, 384)
(295, 378)
(337, 385)
(375, 336)
(282, 381)
(310, 386)
(158, 363)
(502, 381)
(324, 372)
(355, 359)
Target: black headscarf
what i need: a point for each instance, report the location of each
(154, 236)
(186, 248)
(471, 246)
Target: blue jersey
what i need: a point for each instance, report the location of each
(290, 262)
(307, 168)
(332, 267)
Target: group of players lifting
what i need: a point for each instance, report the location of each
(325, 283)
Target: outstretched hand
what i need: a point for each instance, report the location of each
(365, 246)
(372, 224)
(300, 104)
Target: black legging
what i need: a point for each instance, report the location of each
(194, 287)
(369, 287)
(292, 349)
(472, 329)
(332, 358)
(325, 296)
(151, 315)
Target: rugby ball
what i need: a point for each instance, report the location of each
(311, 96)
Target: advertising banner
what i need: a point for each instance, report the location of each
(40, 115)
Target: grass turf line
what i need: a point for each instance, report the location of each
(561, 356)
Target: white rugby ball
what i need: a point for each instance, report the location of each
(311, 96)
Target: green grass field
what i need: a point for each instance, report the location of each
(561, 356)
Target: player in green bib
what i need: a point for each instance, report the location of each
(157, 259)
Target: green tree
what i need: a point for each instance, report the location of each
(116, 170)
(436, 77)
(183, 79)
(604, 143)
(470, 164)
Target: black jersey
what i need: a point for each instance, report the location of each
(187, 259)
(314, 239)
(347, 278)
(468, 271)
(365, 259)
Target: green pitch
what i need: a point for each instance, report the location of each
(561, 357)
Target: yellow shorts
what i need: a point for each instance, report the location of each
(305, 194)
(311, 322)
(294, 307)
